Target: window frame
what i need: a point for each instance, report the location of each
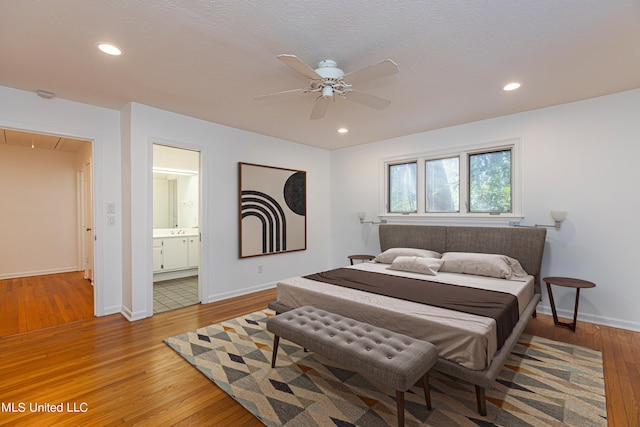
(389, 165)
(463, 153)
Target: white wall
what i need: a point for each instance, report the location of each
(26, 111)
(38, 219)
(580, 157)
(223, 273)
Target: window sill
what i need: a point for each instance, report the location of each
(490, 220)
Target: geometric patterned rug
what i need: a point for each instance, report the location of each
(543, 383)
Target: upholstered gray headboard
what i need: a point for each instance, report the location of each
(524, 244)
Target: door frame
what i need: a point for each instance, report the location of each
(203, 268)
(98, 291)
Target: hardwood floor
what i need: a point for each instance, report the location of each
(29, 303)
(111, 371)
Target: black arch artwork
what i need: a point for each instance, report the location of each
(270, 213)
(295, 193)
(272, 210)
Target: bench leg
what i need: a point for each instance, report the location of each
(482, 401)
(276, 340)
(400, 407)
(427, 392)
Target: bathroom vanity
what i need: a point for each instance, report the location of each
(176, 253)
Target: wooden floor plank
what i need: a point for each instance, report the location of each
(126, 375)
(30, 303)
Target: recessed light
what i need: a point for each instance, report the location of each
(343, 130)
(109, 49)
(512, 86)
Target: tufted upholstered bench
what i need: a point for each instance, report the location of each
(382, 356)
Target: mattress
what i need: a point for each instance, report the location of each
(466, 339)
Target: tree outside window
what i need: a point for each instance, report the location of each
(490, 182)
(475, 182)
(443, 185)
(403, 188)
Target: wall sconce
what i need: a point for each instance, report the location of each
(362, 216)
(558, 217)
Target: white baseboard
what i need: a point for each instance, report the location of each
(177, 274)
(598, 320)
(239, 292)
(133, 316)
(16, 275)
(106, 311)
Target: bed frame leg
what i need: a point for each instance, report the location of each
(482, 401)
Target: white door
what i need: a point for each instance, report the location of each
(88, 221)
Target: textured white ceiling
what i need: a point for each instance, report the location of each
(209, 59)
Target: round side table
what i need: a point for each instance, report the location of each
(362, 258)
(566, 282)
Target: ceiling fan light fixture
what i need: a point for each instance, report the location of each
(327, 80)
(328, 69)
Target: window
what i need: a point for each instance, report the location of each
(442, 183)
(473, 182)
(490, 181)
(403, 185)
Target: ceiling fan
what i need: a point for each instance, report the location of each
(328, 80)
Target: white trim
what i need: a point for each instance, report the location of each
(71, 269)
(591, 318)
(176, 274)
(97, 185)
(488, 220)
(203, 268)
(240, 292)
(463, 217)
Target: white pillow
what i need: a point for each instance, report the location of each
(416, 264)
(491, 265)
(389, 255)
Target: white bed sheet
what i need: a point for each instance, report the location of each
(467, 339)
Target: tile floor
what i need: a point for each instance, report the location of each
(175, 293)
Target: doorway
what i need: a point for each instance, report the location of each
(42, 222)
(176, 227)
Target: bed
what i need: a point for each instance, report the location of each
(471, 347)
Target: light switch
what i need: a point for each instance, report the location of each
(111, 220)
(111, 208)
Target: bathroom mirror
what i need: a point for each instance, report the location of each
(175, 187)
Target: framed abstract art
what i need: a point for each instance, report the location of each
(273, 203)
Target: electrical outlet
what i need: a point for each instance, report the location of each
(259, 268)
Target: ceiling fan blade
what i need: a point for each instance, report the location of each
(293, 62)
(368, 100)
(284, 93)
(372, 72)
(320, 108)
